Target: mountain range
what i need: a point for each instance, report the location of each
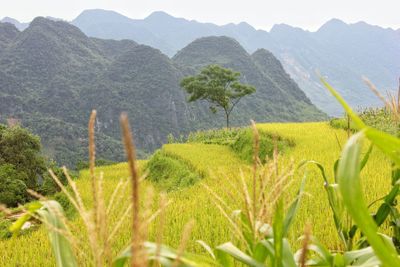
(341, 52)
(52, 74)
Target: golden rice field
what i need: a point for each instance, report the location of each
(314, 141)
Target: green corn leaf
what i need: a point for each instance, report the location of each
(321, 255)
(260, 252)
(223, 258)
(288, 259)
(366, 156)
(269, 246)
(350, 187)
(335, 165)
(361, 256)
(354, 117)
(165, 255)
(278, 227)
(16, 227)
(385, 209)
(293, 208)
(338, 260)
(319, 166)
(61, 246)
(239, 255)
(389, 144)
(207, 248)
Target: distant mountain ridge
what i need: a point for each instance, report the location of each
(52, 75)
(343, 52)
(19, 25)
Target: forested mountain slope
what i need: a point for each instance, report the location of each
(343, 52)
(52, 75)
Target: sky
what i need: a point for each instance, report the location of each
(262, 14)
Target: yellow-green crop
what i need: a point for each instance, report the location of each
(313, 141)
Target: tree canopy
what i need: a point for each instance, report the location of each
(22, 166)
(219, 86)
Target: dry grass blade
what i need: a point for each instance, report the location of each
(161, 224)
(74, 189)
(68, 195)
(306, 242)
(92, 160)
(114, 195)
(373, 88)
(137, 244)
(3, 208)
(236, 231)
(247, 203)
(119, 204)
(102, 221)
(35, 194)
(94, 229)
(184, 240)
(391, 103)
(120, 222)
(256, 149)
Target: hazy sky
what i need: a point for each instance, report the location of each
(262, 14)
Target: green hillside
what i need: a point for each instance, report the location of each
(51, 75)
(221, 168)
(342, 51)
(278, 98)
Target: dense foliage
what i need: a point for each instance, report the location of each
(12, 185)
(379, 118)
(171, 173)
(22, 166)
(240, 140)
(51, 75)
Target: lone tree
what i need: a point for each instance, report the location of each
(218, 86)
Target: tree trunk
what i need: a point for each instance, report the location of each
(227, 120)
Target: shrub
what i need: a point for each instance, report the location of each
(99, 162)
(12, 187)
(21, 148)
(48, 186)
(379, 118)
(243, 145)
(171, 173)
(65, 203)
(4, 228)
(240, 140)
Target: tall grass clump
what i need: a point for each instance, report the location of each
(170, 172)
(391, 101)
(379, 118)
(240, 140)
(386, 119)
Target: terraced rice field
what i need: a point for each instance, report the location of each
(314, 141)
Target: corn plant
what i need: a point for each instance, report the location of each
(345, 227)
(348, 173)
